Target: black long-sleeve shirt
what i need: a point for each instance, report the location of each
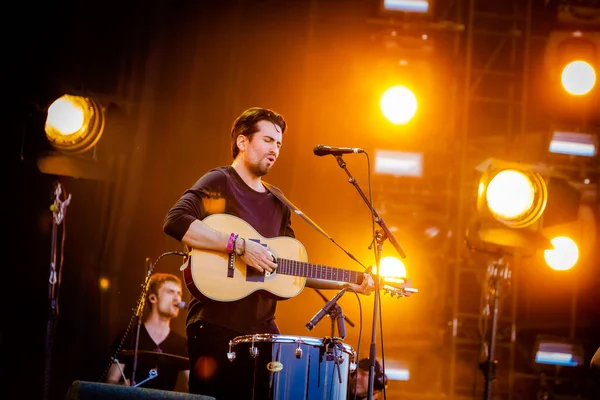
(222, 190)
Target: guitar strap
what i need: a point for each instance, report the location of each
(279, 194)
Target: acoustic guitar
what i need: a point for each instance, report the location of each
(225, 277)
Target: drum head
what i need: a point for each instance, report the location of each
(277, 338)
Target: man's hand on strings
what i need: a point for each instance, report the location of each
(258, 257)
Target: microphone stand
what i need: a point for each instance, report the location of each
(378, 240)
(138, 315)
(387, 234)
(59, 210)
(499, 272)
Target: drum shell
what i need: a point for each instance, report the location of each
(292, 368)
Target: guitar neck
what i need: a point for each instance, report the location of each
(308, 270)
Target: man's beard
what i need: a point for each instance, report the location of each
(168, 313)
(259, 169)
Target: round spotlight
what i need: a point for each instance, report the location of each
(391, 267)
(515, 198)
(564, 255)
(74, 124)
(398, 105)
(578, 78)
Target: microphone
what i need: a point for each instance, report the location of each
(181, 304)
(319, 315)
(322, 150)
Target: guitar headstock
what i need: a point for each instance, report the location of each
(396, 286)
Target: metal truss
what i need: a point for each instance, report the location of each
(493, 51)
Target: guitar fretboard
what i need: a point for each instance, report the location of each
(300, 268)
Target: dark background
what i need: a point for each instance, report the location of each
(175, 74)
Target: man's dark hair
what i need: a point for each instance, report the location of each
(157, 280)
(246, 124)
(380, 379)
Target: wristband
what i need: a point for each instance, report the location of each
(231, 243)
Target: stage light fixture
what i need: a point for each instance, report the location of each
(391, 267)
(74, 124)
(578, 77)
(574, 241)
(400, 373)
(512, 194)
(399, 163)
(572, 58)
(564, 201)
(401, 73)
(564, 255)
(576, 12)
(558, 352)
(406, 6)
(511, 198)
(516, 202)
(399, 104)
(574, 143)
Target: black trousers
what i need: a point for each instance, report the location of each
(211, 373)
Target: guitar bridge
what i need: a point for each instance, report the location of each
(231, 265)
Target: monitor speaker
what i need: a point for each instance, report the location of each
(82, 390)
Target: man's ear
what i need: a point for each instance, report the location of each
(241, 142)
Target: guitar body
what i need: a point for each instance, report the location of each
(209, 274)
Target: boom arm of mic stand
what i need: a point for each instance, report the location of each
(387, 233)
